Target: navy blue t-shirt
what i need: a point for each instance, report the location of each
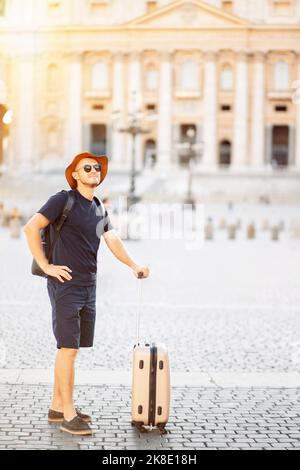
(79, 239)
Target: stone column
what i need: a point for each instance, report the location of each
(134, 105)
(74, 112)
(257, 113)
(268, 144)
(77, 11)
(24, 118)
(165, 112)
(3, 91)
(297, 104)
(240, 145)
(118, 156)
(209, 159)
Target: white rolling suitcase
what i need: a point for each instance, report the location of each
(151, 389)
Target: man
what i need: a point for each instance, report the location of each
(71, 278)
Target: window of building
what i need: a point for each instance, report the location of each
(225, 107)
(282, 7)
(225, 153)
(2, 7)
(98, 107)
(150, 153)
(151, 5)
(98, 140)
(151, 78)
(151, 107)
(226, 78)
(281, 76)
(227, 5)
(99, 76)
(97, 7)
(189, 76)
(280, 146)
(54, 7)
(281, 108)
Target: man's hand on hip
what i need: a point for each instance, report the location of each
(60, 272)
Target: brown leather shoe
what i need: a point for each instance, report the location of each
(76, 426)
(58, 417)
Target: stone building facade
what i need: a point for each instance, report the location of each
(74, 72)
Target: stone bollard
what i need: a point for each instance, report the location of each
(251, 231)
(238, 224)
(209, 230)
(281, 225)
(6, 219)
(15, 223)
(275, 232)
(265, 225)
(231, 232)
(294, 229)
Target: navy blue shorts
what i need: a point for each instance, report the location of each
(73, 314)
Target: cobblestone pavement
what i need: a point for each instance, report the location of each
(201, 418)
(228, 307)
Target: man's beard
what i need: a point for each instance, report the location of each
(91, 185)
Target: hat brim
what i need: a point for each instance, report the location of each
(101, 159)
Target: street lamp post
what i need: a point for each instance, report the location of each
(134, 128)
(192, 150)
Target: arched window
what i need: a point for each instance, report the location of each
(150, 153)
(99, 76)
(189, 76)
(52, 78)
(281, 76)
(226, 78)
(280, 145)
(225, 153)
(151, 78)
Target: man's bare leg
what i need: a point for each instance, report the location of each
(57, 401)
(57, 404)
(64, 383)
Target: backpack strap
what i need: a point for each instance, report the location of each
(66, 211)
(99, 203)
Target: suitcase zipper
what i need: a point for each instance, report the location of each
(152, 385)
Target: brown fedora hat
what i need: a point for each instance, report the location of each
(101, 159)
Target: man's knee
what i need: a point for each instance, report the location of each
(69, 353)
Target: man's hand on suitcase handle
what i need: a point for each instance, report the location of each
(141, 272)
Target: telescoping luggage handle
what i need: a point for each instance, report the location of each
(139, 306)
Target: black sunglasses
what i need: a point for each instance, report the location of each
(88, 168)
